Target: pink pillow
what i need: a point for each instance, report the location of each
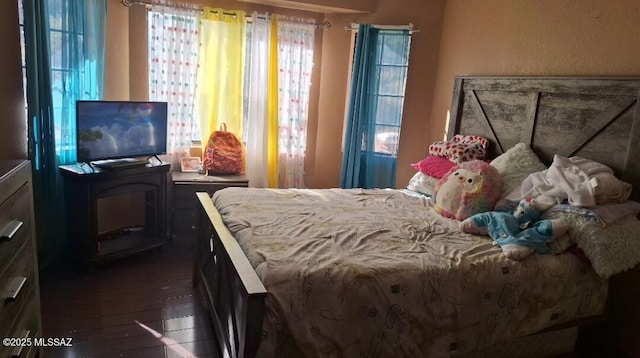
(461, 148)
(434, 166)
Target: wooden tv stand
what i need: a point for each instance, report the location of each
(86, 187)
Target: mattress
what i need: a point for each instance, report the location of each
(376, 272)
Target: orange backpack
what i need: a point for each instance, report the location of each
(224, 153)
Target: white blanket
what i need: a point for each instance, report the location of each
(574, 179)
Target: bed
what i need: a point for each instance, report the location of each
(377, 273)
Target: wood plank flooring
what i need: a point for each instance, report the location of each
(141, 306)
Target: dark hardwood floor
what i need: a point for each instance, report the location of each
(141, 306)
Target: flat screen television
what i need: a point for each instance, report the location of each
(120, 129)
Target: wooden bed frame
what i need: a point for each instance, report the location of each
(593, 118)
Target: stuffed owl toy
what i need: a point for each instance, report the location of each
(519, 232)
(466, 189)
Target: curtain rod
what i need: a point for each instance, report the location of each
(149, 6)
(408, 27)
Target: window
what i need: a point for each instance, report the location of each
(22, 43)
(374, 115)
(160, 19)
(235, 77)
(173, 59)
(66, 46)
(247, 83)
(387, 89)
(63, 43)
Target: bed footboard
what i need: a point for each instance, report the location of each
(233, 291)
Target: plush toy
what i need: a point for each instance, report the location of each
(519, 232)
(466, 189)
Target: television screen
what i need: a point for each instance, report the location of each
(120, 129)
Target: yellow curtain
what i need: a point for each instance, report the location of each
(220, 71)
(272, 120)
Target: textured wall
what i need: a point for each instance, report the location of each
(534, 38)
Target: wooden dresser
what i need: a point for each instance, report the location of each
(20, 306)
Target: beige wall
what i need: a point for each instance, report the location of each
(126, 53)
(13, 132)
(534, 38)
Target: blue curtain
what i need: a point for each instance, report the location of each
(82, 54)
(375, 108)
(358, 113)
(39, 98)
(64, 60)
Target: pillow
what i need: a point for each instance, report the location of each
(434, 166)
(471, 139)
(422, 183)
(461, 148)
(515, 165)
(612, 249)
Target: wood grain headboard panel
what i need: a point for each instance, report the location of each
(595, 118)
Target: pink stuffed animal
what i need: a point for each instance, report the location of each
(467, 189)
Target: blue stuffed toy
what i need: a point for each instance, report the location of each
(519, 232)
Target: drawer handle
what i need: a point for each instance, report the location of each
(11, 229)
(14, 288)
(18, 350)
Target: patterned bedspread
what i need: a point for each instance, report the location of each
(378, 273)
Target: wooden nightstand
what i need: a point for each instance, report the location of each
(184, 203)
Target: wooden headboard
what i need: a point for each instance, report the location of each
(595, 118)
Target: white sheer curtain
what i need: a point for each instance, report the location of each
(258, 73)
(295, 62)
(173, 64)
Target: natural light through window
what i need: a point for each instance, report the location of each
(168, 342)
(389, 85)
(387, 94)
